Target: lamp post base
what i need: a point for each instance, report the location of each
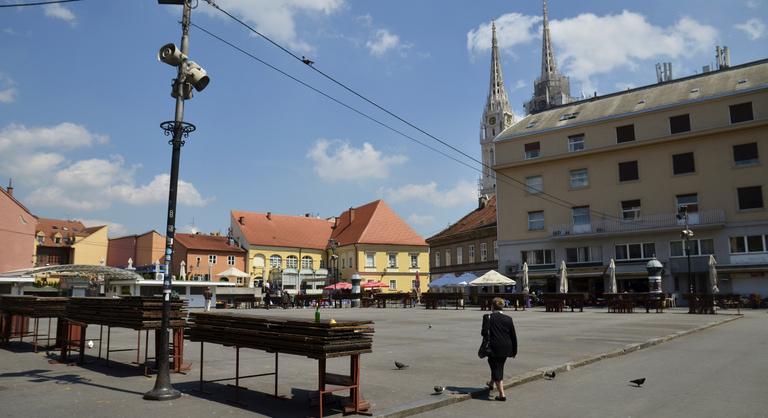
(162, 394)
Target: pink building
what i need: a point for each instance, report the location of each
(17, 233)
(205, 256)
(144, 250)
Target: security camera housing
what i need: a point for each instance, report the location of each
(171, 55)
(196, 75)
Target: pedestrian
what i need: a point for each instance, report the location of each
(267, 296)
(208, 295)
(499, 330)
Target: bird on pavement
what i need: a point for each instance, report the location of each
(439, 389)
(400, 366)
(550, 375)
(639, 382)
(429, 326)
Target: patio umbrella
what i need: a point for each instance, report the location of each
(492, 278)
(233, 272)
(612, 288)
(339, 285)
(525, 278)
(713, 274)
(371, 285)
(563, 288)
(182, 270)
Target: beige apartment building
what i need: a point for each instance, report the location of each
(604, 178)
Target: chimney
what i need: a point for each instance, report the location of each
(482, 201)
(241, 220)
(351, 215)
(335, 222)
(9, 190)
(269, 215)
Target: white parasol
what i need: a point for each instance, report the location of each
(713, 274)
(525, 278)
(612, 288)
(563, 288)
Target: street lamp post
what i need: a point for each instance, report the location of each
(334, 260)
(189, 75)
(686, 235)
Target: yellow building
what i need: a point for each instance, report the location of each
(60, 241)
(606, 178)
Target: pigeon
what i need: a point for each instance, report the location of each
(439, 389)
(306, 60)
(639, 382)
(400, 366)
(429, 326)
(90, 344)
(550, 375)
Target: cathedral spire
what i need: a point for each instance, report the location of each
(497, 94)
(548, 66)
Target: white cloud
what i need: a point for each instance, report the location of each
(382, 42)
(753, 4)
(7, 89)
(188, 229)
(462, 193)
(114, 229)
(338, 160)
(421, 220)
(276, 19)
(511, 29)
(57, 11)
(587, 45)
(35, 157)
(754, 28)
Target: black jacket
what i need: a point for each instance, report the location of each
(501, 330)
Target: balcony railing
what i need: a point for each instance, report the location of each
(644, 223)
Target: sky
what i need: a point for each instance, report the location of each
(82, 96)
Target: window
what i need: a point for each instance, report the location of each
(538, 257)
(536, 220)
(212, 259)
(370, 260)
(750, 197)
(40, 239)
(745, 154)
(583, 254)
(683, 163)
(628, 171)
(459, 255)
(483, 252)
(749, 244)
(495, 250)
(448, 257)
(741, 112)
(231, 260)
(532, 150)
(392, 260)
(197, 261)
(306, 262)
(437, 259)
(344, 263)
(625, 133)
(568, 116)
(57, 240)
(393, 285)
(535, 184)
(691, 201)
(471, 253)
(697, 247)
(581, 215)
(350, 262)
(680, 123)
(579, 178)
(291, 262)
(414, 261)
(275, 261)
(576, 143)
(630, 210)
(635, 251)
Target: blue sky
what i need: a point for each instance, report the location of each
(82, 95)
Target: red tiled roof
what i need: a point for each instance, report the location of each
(374, 223)
(206, 242)
(283, 230)
(478, 218)
(68, 230)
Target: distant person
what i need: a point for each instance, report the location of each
(502, 341)
(267, 295)
(208, 295)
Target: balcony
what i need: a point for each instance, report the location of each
(665, 221)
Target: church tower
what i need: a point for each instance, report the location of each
(551, 88)
(497, 116)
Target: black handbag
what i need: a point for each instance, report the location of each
(485, 346)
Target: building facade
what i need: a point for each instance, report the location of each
(205, 257)
(17, 233)
(60, 241)
(606, 178)
(143, 250)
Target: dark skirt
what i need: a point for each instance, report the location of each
(497, 367)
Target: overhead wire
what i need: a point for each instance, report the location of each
(539, 193)
(39, 3)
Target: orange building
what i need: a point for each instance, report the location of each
(144, 250)
(205, 256)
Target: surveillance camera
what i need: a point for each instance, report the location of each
(196, 75)
(171, 55)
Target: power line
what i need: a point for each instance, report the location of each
(518, 184)
(39, 3)
(303, 60)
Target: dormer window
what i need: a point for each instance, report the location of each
(57, 240)
(567, 116)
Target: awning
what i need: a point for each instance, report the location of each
(290, 271)
(492, 278)
(321, 272)
(233, 272)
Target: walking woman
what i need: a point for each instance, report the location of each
(499, 330)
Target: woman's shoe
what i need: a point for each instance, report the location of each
(501, 398)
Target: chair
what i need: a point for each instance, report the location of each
(672, 300)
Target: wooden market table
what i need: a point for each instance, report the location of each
(555, 302)
(16, 311)
(432, 300)
(400, 297)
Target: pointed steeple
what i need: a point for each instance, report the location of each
(551, 88)
(497, 116)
